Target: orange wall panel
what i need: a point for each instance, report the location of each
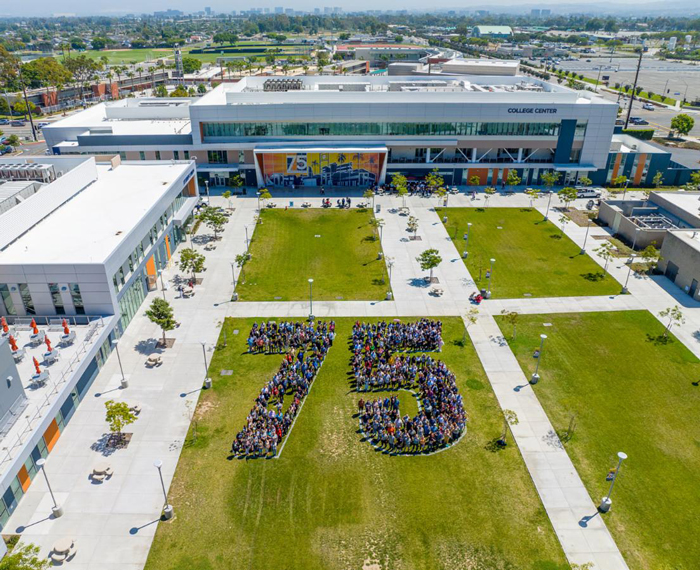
(640, 168)
(51, 435)
(151, 266)
(618, 160)
(167, 246)
(24, 479)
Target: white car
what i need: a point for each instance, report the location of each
(648, 107)
(587, 192)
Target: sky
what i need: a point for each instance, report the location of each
(85, 7)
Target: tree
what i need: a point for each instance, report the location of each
(434, 180)
(510, 418)
(118, 416)
(650, 255)
(214, 219)
(619, 181)
(201, 89)
(567, 195)
(191, 65)
(563, 220)
(376, 225)
(490, 191)
(161, 313)
(658, 179)
(241, 260)
(474, 180)
(24, 557)
(584, 181)
(682, 123)
(83, 69)
(227, 196)
(513, 179)
(429, 260)
(413, 226)
(369, 195)
(549, 179)
(12, 140)
(605, 251)
(511, 317)
(533, 194)
(180, 91)
(469, 320)
(161, 91)
(191, 261)
(675, 317)
(264, 195)
(401, 184)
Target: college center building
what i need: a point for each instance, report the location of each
(356, 131)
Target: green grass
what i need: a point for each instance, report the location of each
(342, 262)
(631, 392)
(331, 502)
(531, 255)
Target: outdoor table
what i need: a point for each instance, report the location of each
(101, 468)
(63, 545)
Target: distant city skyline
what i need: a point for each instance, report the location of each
(84, 8)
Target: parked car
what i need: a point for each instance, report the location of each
(648, 107)
(587, 192)
(5, 150)
(4, 121)
(17, 123)
(3, 140)
(638, 121)
(42, 125)
(588, 61)
(619, 121)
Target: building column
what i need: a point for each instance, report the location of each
(474, 154)
(520, 155)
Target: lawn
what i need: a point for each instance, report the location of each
(342, 261)
(630, 391)
(331, 501)
(532, 257)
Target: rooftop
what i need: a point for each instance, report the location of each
(88, 227)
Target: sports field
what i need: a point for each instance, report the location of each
(332, 502)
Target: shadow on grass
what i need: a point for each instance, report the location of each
(555, 236)
(377, 281)
(659, 340)
(593, 277)
(495, 445)
(369, 238)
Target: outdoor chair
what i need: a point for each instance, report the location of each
(67, 339)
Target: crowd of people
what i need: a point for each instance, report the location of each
(273, 337)
(306, 346)
(378, 364)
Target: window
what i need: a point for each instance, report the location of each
(122, 155)
(157, 155)
(187, 154)
(176, 155)
(55, 292)
(27, 299)
(142, 155)
(77, 299)
(217, 156)
(6, 299)
(241, 157)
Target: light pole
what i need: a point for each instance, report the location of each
(488, 293)
(624, 192)
(606, 503)
(549, 200)
(634, 243)
(535, 378)
(115, 345)
(207, 380)
(246, 238)
(57, 510)
(168, 511)
(585, 239)
(258, 195)
(625, 290)
(311, 300)
(390, 263)
(162, 285)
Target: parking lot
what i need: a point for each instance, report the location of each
(680, 79)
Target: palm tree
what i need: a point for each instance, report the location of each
(130, 75)
(341, 158)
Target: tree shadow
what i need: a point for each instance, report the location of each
(659, 340)
(147, 347)
(377, 281)
(419, 282)
(104, 445)
(370, 238)
(593, 277)
(495, 445)
(555, 236)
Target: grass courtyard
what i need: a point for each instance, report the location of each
(532, 257)
(331, 501)
(630, 391)
(342, 260)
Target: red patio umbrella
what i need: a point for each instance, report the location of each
(33, 323)
(5, 328)
(3, 321)
(66, 330)
(64, 323)
(36, 365)
(35, 329)
(48, 343)
(13, 343)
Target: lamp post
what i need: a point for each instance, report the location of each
(168, 511)
(625, 290)
(258, 195)
(606, 503)
(585, 239)
(162, 285)
(246, 238)
(549, 200)
(311, 300)
(115, 345)
(535, 378)
(624, 192)
(57, 510)
(488, 293)
(634, 243)
(207, 380)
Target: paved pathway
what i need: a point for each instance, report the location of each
(114, 523)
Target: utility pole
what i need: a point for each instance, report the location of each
(634, 88)
(26, 101)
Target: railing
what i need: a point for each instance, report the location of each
(8, 451)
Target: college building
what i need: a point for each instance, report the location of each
(82, 241)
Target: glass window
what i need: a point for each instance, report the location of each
(176, 155)
(187, 154)
(77, 298)
(157, 155)
(142, 155)
(6, 299)
(217, 156)
(27, 299)
(55, 292)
